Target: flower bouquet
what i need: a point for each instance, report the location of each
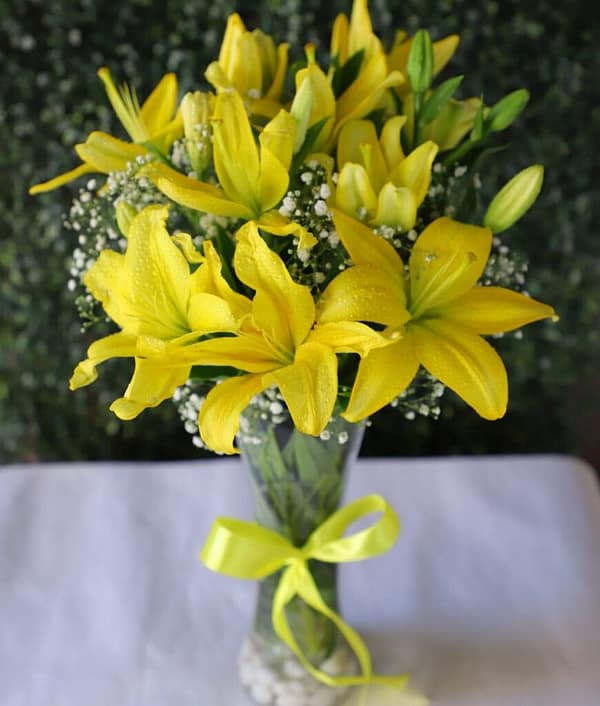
(284, 254)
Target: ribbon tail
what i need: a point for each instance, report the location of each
(297, 580)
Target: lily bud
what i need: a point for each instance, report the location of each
(196, 111)
(419, 65)
(514, 199)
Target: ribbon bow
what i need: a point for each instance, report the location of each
(248, 551)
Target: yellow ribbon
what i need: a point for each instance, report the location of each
(248, 551)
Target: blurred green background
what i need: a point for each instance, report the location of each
(50, 99)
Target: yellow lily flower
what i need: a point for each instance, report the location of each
(376, 179)
(253, 181)
(160, 307)
(443, 51)
(151, 126)
(275, 345)
(361, 97)
(250, 63)
(434, 319)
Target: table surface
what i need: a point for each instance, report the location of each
(491, 596)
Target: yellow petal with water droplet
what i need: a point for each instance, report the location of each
(465, 363)
(283, 309)
(364, 293)
(309, 386)
(447, 260)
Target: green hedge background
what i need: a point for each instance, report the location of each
(50, 99)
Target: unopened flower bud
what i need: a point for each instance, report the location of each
(514, 199)
(195, 111)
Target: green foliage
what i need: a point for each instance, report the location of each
(50, 99)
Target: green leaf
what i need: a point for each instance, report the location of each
(346, 74)
(420, 62)
(506, 110)
(438, 99)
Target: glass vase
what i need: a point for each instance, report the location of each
(297, 483)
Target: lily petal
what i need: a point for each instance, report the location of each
(219, 418)
(396, 206)
(366, 248)
(61, 179)
(382, 375)
(391, 144)
(160, 105)
(234, 151)
(117, 345)
(276, 224)
(278, 138)
(283, 309)
(151, 384)
(209, 279)
(363, 293)
(354, 193)
(208, 313)
(463, 361)
(108, 154)
(274, 180)
(195, 194)
(415, 171)
(353, 136)
(363, 95)
(276, 87)
(348, 337)
(489, 310)
(446, 261)
(309, 386)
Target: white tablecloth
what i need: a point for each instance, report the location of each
(490, 598)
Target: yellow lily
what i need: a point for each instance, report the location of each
(153, 126)
(253, 181)
(160, 307)
(443, 51)
(250, 63)
(376, 179)
(361, 97)
(275, 345)
(434, 319)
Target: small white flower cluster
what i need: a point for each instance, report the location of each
(138, 191)
(188, 403)
(266, 409)
(421, 398)
(306, 203)
(505, 267)
(91, 219)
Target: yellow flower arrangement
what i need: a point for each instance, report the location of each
(316, 248)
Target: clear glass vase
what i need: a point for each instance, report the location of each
(297, 482)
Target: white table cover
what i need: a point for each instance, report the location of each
(490, 598)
